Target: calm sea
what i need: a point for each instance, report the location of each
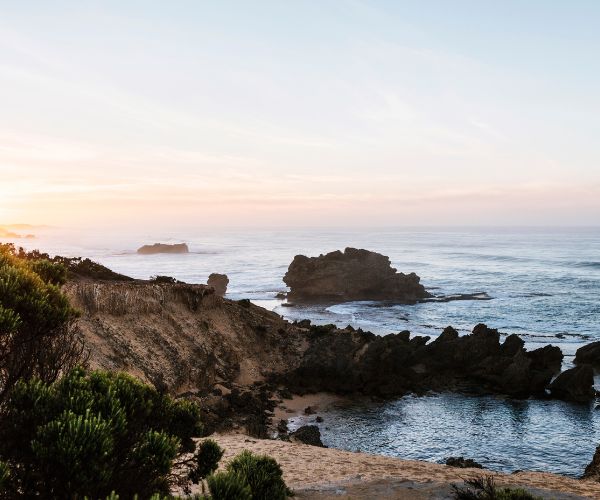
(544, 284)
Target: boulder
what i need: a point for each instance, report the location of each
(576, 384)
(463, 463)
(589, 354)
(592, 471)
(163, 248)
(219, 282)
(351, 275)
(308, 434)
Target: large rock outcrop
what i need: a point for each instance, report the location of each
(219, 282)
(592, 471)
(350, 275)
(576, 384)
(589, 354)
(163, 248)
(351, 361)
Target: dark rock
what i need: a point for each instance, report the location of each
(592, 471)
(308, 434)
(351, 275)
(463, 463)
(309, 410)
(219, 282)
(576, 384)
(163, 248)
(347, 362)
(589, 354)
(282, 427)
(319, 420)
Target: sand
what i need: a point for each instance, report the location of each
(314, 472)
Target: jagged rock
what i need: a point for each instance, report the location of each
(163, 248)
(344, 361)
(308, 434)
(463, 463)
(589, 354)
(576, 384)
(592, 471)
(219, 282)
(350, 275)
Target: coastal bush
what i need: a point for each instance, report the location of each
(207, 460)
(228, 486)
(163, 279)
(484, 488)
(37, 336)
(76, 267)
(90, 434)
(262, 474)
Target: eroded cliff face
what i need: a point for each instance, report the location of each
(183, 337)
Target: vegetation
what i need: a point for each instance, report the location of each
(76, 267)
(37, 336)
(262, 474)
(228, 486)
(90, 434)
(164, 279)
(484, 488)
(66, 432)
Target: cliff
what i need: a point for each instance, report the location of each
(183, 337)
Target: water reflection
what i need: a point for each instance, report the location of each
(502, 434)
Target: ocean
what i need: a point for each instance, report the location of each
(544, 285)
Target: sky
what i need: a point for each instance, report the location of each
(299, 113)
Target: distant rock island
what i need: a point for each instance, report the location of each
(8, 232)
(163, 248)
(354, 274)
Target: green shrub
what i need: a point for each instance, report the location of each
(4, 477)
(484, 488)
(37, 338)
(207, 460)
(228, 486)
(89, 434)
(51, 272)
(262, 473)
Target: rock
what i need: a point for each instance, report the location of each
(351, 275)
(163, 248)
(309, 410)
(463, 463)
(282, 427)
(319, 419)
(576, 384)
(219, 282)
(592, 471)
(308, 434)
(347, 362)
(589, 354)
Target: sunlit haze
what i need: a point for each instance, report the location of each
(300, 113)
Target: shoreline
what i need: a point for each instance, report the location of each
(314, 472)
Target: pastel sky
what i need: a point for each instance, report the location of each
(312, 112)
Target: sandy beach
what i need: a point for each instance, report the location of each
(314, 472)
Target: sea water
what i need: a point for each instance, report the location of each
(544, 285)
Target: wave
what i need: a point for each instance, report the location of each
(594, 264)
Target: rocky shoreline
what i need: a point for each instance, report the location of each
(239, 358)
